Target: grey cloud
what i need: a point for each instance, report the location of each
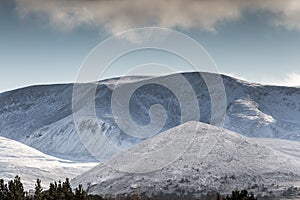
(119, 15)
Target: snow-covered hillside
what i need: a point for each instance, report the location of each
(288, 147)
(30, 164)
(233, 161)
(41, 116)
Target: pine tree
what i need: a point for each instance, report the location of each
(52, 193)
(80, 193)
(59, 191)
(16, 190)
(3, 190)
(67, 190)
(38, 190)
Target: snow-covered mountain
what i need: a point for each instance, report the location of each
(233, 161)
(30, 164)
(41, 116)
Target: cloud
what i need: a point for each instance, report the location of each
(290, 79)
(289, 15)
(119, 15)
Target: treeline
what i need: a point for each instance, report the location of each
(14, 190)
(236, 195)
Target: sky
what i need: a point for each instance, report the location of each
(46, 41)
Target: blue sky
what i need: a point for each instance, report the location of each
(43, 43)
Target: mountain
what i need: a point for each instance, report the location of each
(232, 161)
(30, 164)
(42, 117)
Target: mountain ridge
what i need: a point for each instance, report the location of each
(41, 116)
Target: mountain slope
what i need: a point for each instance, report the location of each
(41, 116)
(288, 147)
(234, 161)
(30, 164)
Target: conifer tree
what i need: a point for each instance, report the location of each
(3, 190)
(38, 190)
(59, 191)
(80, 193)
(52, 193)
(67, 190)
(16, 190)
